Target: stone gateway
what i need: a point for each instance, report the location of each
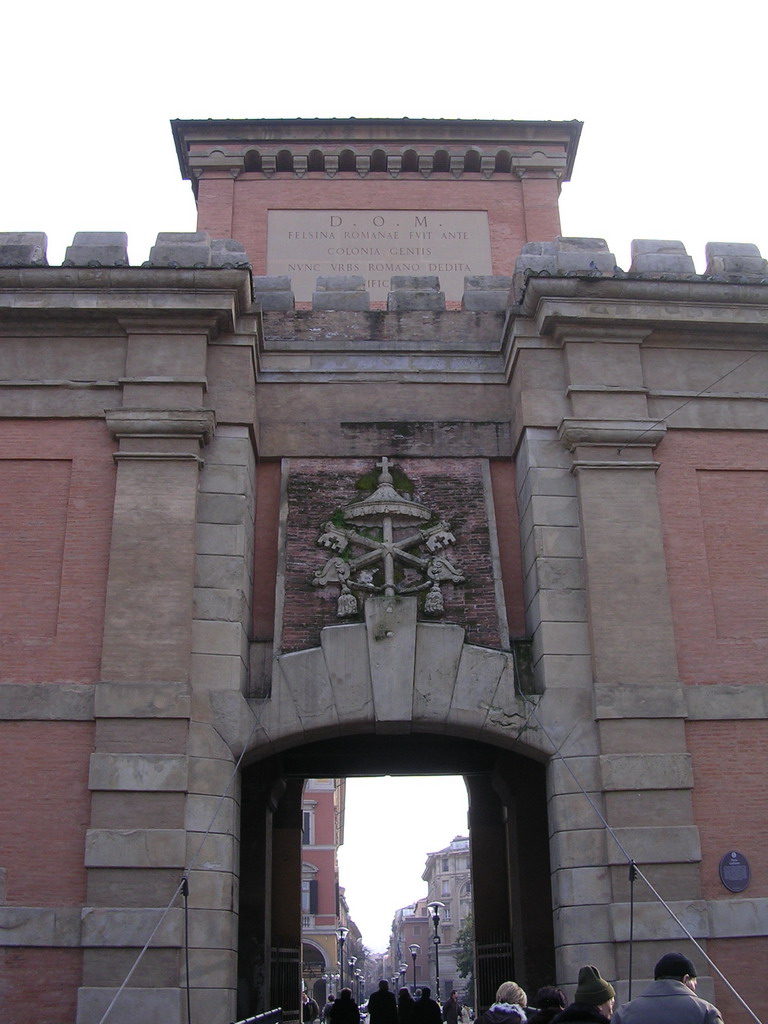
(273, 510)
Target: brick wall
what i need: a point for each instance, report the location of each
(39, 985)
(713, 491)
(516, 214)
(56, 495)
(452, 488)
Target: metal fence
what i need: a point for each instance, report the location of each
(268, 1017)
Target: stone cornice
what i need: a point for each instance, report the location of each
(634, 433)
(479, 149)
(176, 423)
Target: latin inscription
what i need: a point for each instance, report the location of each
(376, 244)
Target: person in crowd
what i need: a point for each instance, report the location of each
(671, 998)
(310, 1011)
(382, 1005)
(452, 1008)
(404, 1006)
(548, 1003)
(344, 1009)
(425, 1009)
(509, 1007)
(592, 1002)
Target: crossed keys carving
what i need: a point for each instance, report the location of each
(386, 510)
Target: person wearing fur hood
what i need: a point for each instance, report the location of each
(592, 1002)
(509, 1007)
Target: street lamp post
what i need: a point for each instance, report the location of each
(435, 907)
(414, 949)
(341, 935)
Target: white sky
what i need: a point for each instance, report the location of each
(672, 95)
(391, 825)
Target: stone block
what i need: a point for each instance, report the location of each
(135, 848)
(213, 889)
(46, 702)
(585, 848)
(214, 852)
(735, 260)
(40, 926)
(345, 649)
(219, 671)
(349, 301)
(150, 1006)
(128, 926)
(211, 968)
(671, 844)
(406, 300)
(573, 774)
(98, 249)
(420, 283)
(340, 283)
(213, 776)
(391, 633)
(573, 887)
(733, 918)
(209, 637)
(181, 249)
(222, 605)
(309, 685)
(142, 700)
(646, 771)
(574, 922)
(274, 293)
(229, 254)
(224, 509)
(474, 693)
(653, 921)
(205, 812)
(659, 257)
(641, 702)
(438, 652)
(23, 249)
(138, 772)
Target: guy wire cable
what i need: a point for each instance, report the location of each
(630, 860)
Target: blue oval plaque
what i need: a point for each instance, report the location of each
(734, 871)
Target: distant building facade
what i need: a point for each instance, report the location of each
(377, 473)
(449, 881)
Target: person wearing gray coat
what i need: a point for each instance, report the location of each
(671, 999)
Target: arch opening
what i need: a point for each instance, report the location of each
(508, 836)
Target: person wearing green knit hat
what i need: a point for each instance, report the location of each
(592, 1001)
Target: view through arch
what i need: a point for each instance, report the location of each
(508, 856)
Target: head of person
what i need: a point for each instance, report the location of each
(550, 998)
(510, 992)
(678, 968)
(592, 990)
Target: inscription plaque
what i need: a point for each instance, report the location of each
(734, 871)
(377, 244)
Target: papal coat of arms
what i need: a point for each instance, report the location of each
(387, 544)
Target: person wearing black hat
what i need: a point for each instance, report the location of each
(592, 1001)
(671, 999)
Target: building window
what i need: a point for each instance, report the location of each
(307, 828)
(309, 896)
